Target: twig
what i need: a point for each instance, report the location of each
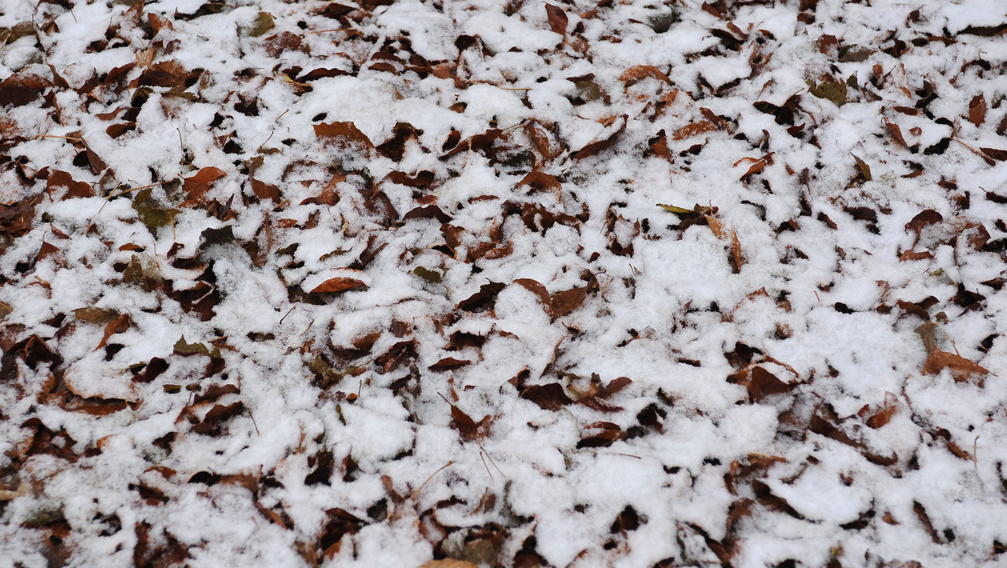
(417, 492)
(287, 314)
(975, 457)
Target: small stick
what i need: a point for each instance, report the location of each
(445, 466)
(287, 314)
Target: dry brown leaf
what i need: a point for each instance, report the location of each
(977, 109)
(197, 186)
(896, 132)
(638, 73)
(74, 188)
(344, 134)
(535, 287)
(449, 563)
(694, 129)
(557, 19)
(961, 368)
(337, 285)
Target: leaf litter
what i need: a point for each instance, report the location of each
(417, 283)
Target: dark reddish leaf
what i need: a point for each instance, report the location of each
(324, 463)
(638, 73)
(47, 249)
(427, 212)
(540, 181)
(550, 396)
(396, 356)
(763, 384)
(896, 132)
(922, 219)
(285, 41)
(60, 179)
(977, 109)
(694, 129)
(539, 290)
(120, 128)
(449, 363)
(483, 299)
(264, 190)
(609, 434)
(118, 325)
(468, 429)
(337, 285)
(564, 303)
(651, 416)
(164, 74)
(921, 514)
(16, 218)
(557, 19)
(213, 393)
(613, 387)
(344, 134)
(21, 88)
(597, 146)
(995, 153)
(151, 370)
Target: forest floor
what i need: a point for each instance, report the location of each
(617, 283)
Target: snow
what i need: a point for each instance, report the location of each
(777, 409)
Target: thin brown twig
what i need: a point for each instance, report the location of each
(420, 488)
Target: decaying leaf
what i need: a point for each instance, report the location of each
(834, 91)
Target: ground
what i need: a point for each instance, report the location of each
(629, 283)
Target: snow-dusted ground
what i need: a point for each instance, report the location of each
(584, 284)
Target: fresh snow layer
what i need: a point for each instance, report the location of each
(628, 283)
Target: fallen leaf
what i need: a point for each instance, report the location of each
(344, 134)
(638, 73)
(535, 287)
(977, 109)
(865, 170)
(961, 368)
(197, 185)
(694, 129)
(557, 19)
(118, 325)
(549, 397)
(337, 285)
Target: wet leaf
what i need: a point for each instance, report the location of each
(344, 134)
